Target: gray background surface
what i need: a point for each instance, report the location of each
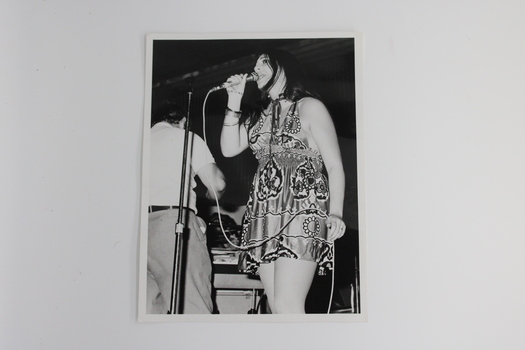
(444, 153)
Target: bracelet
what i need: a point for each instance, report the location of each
(232, 113)
(229, 109)
(224, 124)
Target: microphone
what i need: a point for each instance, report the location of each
(251, 77)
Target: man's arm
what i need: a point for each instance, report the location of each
(208, 172)
(213, 178)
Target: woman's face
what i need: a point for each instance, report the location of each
(263, 70)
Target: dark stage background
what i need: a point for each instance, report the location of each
(329, 63)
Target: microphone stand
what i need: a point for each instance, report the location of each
(179, 227)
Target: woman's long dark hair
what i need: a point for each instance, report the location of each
(296, 80)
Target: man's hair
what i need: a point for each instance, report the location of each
(167, 112)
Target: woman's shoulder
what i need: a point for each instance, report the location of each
(311, 107)
(309, 101)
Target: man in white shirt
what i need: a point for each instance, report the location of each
(166, 156)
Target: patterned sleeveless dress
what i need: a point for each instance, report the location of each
(289, 198)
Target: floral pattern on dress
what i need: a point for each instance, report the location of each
(289, 141)
(293, 124)
(270, 181)
(311, 226)
(308, 180)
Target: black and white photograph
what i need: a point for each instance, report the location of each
(250, 195)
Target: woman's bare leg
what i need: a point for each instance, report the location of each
(292, 281)
(266, 272)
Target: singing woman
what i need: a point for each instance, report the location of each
(294, 212)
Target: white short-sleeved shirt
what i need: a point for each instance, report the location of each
(166, 155)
